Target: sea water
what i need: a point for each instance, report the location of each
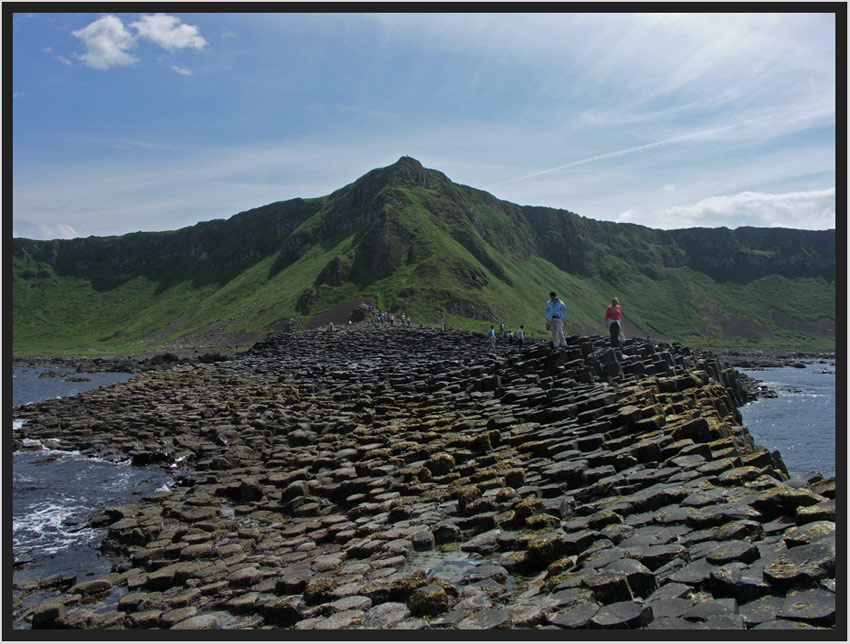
(28, 386)
(54, 493)
(800, 420)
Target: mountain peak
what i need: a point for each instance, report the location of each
(406, 161)
(408, 172)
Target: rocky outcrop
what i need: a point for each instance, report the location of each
(377, 477)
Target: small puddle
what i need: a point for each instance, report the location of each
(447, 565)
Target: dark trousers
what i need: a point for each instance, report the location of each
(614, 330)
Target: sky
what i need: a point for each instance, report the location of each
(130, 122)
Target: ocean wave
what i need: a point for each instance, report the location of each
(45, 529)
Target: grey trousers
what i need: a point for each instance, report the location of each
(558, 338)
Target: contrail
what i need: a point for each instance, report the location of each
(608, 155)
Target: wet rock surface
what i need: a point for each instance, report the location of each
(409, 478)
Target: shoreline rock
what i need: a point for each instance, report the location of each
(408, 478)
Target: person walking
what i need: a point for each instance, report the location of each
(614, 320)
(492, 335)
(520, 335)
(556, 312)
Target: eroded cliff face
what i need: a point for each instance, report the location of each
(234, 244)
(751, 253)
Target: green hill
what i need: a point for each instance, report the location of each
(410, 240)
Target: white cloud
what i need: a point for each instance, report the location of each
(168, 32)
(811, 210)
(107, 39)
(182, 70)
(107, 42)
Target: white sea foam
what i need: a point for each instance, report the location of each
(42, 528)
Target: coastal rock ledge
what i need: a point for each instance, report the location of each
(377, 477)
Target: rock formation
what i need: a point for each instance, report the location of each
(378, 477)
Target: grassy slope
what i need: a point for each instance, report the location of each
(65, 313)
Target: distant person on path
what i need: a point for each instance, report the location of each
(614, 320)
(492, 335)
(556, 312)
(520, 335)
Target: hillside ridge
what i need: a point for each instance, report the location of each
(412, 240)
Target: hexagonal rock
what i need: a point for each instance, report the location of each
(761, 610)
(607, 586)
(352, 602)
(292, 581)
(782, 624)
(823, 511)
(653, 557)
(486, 619)
(320, 590)
(91, 588)
(284, 612)
(808, 533)
(784, 500)
(161, 579)
(672, 607)
(722, 513)
(385, 615)
(46, 615)
(576, 616)
(429, 600)
(675, 624)
(626, 614)
(729, 551)
(641, 581)
(440, 464)
(816, 606)
(423, 540)
(736, 580)
(744, 529)
(197, 622)
(446, 532)
(174, 617)
(337, 621)
(244, 577)
(704, 610)
(802, 565)
(485, 571)
(694, 574)
(242, 604)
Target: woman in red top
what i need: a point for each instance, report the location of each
(614, 320)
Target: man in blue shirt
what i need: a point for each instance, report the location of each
(555, 314)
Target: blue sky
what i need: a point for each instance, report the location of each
(125, 122)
